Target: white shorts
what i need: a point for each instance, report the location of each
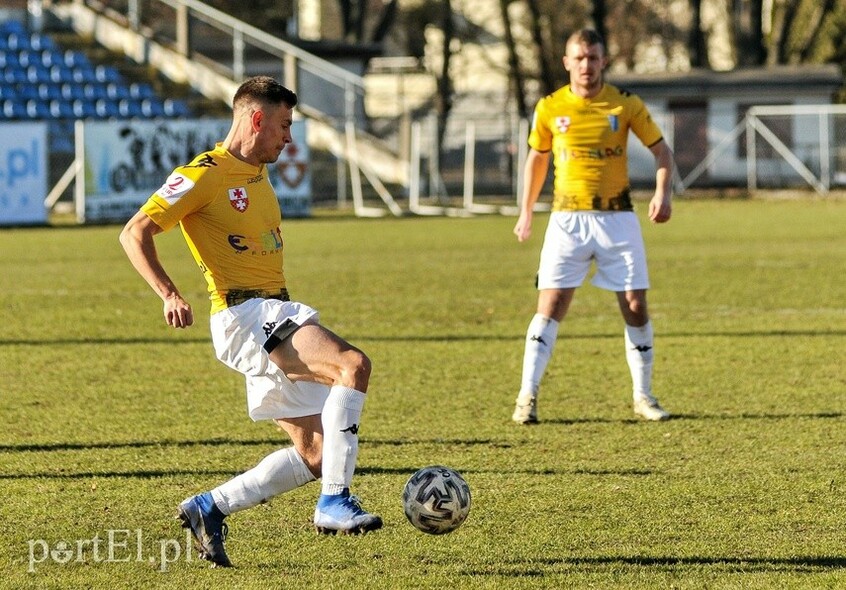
(576, 238)
(239, 333)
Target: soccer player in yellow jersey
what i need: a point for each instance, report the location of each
(584, 128)
(299, 374)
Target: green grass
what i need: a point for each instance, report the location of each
(108, 419)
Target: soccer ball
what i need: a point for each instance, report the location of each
(436, 500)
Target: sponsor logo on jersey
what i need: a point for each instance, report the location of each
(591, 153)
(562, 124)
(238, 199)
(268, 242)
(174, 187)
(203, 161)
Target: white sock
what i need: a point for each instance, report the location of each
(540, 340)
(279, 472)
(340, 417)
(639, 355)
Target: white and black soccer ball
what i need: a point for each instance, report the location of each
(436, 500)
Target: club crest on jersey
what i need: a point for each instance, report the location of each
(238, 199)
(562, 123)
(614, 122)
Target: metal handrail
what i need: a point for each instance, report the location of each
(226, 23)
(243, 35)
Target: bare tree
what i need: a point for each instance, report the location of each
(443, 100)
(543, 49)
(808, 30)
(599, 14)
(356, 15)
(697, 46)
(515, 74)
(748, 27)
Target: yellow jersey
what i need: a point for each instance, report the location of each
(588, 139)
(231, 220)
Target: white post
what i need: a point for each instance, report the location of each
(79, 156)
(522, 154)
(469, 163)
(825, 161)
(751, 172)
(238, 55)
(414, 177)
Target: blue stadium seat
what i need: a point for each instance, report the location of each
(12, 26)
(50, 58)
(107, 109)
(13, 109)
(49, 91)
(8, 91)
(61, 109)
(28, 92)
(141, 90)
(37, 73)
(37, 109)
(8, 59)
(17, 41)
(39, 42)
(83, 74)
(96, 91)
(84, 109)
(75, 59)
(60, 73)
(26, 58)
(107, 74)
(152, 107)
(175, 108)
(14, 75)
(72, 91)
(130, 108)
(116, 91)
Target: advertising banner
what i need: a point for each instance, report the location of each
(126, 161)
(23, 173)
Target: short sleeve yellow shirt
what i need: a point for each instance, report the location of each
(588, 139)
(230, 218)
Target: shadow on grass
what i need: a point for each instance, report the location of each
(101, 341)
(427, 338)
(281, 441)
(798, 564)
(84, 446)
(361, 471)
(137, 474)
(745, 416)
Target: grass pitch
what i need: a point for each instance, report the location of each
(108, 418)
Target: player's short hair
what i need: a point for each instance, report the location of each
(264, 90)
(587, 37)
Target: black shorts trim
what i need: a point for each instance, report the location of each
(280, 333)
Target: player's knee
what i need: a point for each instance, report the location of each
(637, 308)
(355, 369)
(637, 314)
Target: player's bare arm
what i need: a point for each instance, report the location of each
(537, 165)
(137, 239)
(660, 207)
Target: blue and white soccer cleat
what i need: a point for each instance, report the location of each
(204, 518)
(343, 514)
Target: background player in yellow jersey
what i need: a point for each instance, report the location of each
(584, 128)
(308, 380)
